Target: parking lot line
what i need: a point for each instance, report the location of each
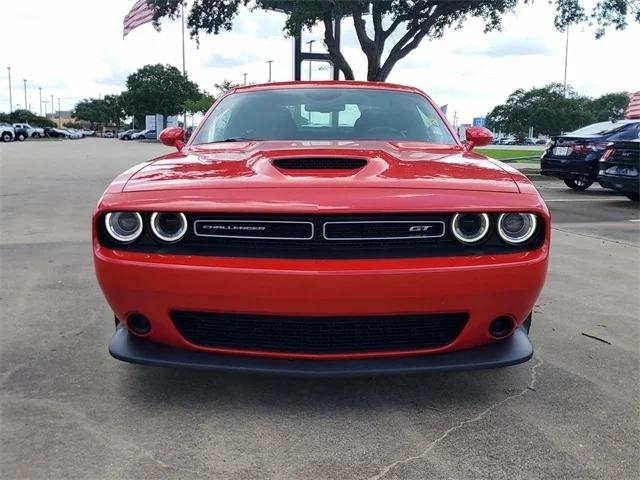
(599, 199)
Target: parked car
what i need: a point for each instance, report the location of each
(252, 248)
(87, 132)
(507, 141)
(149, 134)
(108, 134)
(56, 132)
(34, 132)
(126, 135)
(574, 157)
(620, 168)
(21, 134)
(73, 133)
(6, 132)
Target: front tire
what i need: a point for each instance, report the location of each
(6, 137)
(21, 137)
(578, 183)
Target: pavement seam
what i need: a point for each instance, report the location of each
(595, 237)
(530, 387)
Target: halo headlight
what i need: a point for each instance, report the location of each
(516, 228)
(125, 227)
(470, 228)
(169, 227)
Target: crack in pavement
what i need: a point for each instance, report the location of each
(530, 387)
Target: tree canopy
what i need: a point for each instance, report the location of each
(26, 116)
(550, 111)
(376, 20)
(158, 89)
(106, 111)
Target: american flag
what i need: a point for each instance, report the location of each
(633, 110)
(140, 14)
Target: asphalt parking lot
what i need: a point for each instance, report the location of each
(69, 411)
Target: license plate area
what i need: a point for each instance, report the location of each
(562, 151)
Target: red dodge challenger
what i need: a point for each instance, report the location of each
(322, 228)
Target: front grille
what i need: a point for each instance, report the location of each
(314, 163)
(319, 335)
(321, 237)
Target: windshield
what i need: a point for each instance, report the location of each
(324, 114)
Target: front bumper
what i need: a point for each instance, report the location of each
(511, 351)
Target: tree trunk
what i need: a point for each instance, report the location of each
(333, 47)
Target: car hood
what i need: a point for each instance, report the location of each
(386, 165)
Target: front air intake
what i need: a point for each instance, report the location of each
(319, 163)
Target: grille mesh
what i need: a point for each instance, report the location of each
(297, 334)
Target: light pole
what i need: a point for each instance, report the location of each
(566, 61)
(24, 81)
(245, 78)
(10, 97)
(59, 119)
(269, 62)
(40, 90)
(52, 117)
(310, 43)
(46, 102)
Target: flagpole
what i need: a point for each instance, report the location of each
(184, 68)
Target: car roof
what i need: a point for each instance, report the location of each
(327, 84)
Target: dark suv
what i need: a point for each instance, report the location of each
(574, 157)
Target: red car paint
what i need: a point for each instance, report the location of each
(399, 177)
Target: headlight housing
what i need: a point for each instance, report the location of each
(124, 227)
(517, 228)
(470, 228)
(169, 227)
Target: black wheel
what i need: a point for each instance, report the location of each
(35, 135)
(6, 137)
(578, 183)
(21, 137)
(634, 197)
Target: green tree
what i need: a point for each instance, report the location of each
(105, 111)
(610, 106)
(200, 105)
(26, 116)
(404, 24)
(550, 110)
(224, 86)
(158, 89)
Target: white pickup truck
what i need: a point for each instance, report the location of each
(6, 132)
(32, 131)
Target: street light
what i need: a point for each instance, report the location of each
(10, 97)
(40, 90)
(310, 43)
(245, 78)
(24, 81)
(269, 62)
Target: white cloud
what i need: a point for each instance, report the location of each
(77, 51)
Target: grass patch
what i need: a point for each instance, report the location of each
(509, 155)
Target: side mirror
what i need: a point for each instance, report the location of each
(173, 137)
(477, 137)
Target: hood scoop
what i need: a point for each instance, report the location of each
(319, 163)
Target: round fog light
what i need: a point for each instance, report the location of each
(139, 324)
(169, 227)
(516, 228)
(470, 227)
(501, 327)
(124, 227)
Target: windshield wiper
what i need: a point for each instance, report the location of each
(236, 139)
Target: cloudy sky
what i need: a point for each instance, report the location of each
(74, 49)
